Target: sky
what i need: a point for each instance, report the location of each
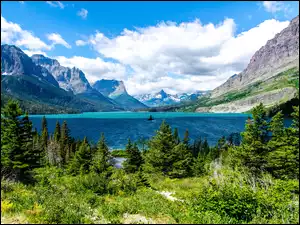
(175, 46)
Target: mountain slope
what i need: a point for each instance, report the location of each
(15, 62)
(116, 90)
(279, 54)
(74, 80)
(24, 80)
(69, 79)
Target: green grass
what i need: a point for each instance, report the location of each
(233, 196)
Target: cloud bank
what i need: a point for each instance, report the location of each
(202, 56)
(182, 57)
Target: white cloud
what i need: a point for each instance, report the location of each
(194, 51)
(56, 4)
(273, 6)
(22, 2)
(82, 13)
(12, 33)
(81, 43)
(277, 6)
(57, 40)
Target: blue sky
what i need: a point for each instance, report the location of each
(111, 18)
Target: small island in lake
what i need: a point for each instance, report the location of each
(150, 117)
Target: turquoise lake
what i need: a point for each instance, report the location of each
(119, 126)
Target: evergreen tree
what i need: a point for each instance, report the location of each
(176, 136)
(18, 156)
(234, 139)
(253, 149)
(81, 162)
(199, 165)
(221, 143)
(283, 157)
(277, 126)
(205, 147)
(57, 133)
(142, 179)
(134, 159)
(197, 146)
(186, 138)
(181, 160)
(64, 140)
(157, 158)
(44, 123)
(101, 161)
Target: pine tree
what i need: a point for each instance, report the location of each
(158, 157)
(198, 165)
(186, 138)
(277, 126)
(101, 161)
(221, 143)
(57, 133)
(44, 123)
(176, 136)
(134, 159)
(181, 160)
(253, 150)
(64, 140)
(18, 155)
(205, 147)
(44, 139)
(283, 156)
(197, 146)
(81, 162)
(234, 139)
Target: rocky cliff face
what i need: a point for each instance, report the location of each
(69, 79)
(279, 54)
(110, 88)
(116, 90)
(15, 62)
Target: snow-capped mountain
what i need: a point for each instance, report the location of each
(162, 98)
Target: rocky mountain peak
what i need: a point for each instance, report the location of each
(15, 62)
(42, 60)
(70, 79)
(110, 88)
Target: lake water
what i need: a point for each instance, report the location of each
(119, 126)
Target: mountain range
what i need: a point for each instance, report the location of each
(43, 82)
(161, 98)
(42, 85)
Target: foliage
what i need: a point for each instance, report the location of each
(134, 158)
(208, 184)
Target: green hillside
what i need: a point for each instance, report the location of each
(38, 96)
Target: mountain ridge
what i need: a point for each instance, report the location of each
(277, 55)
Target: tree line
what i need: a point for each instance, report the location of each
(263, 146)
